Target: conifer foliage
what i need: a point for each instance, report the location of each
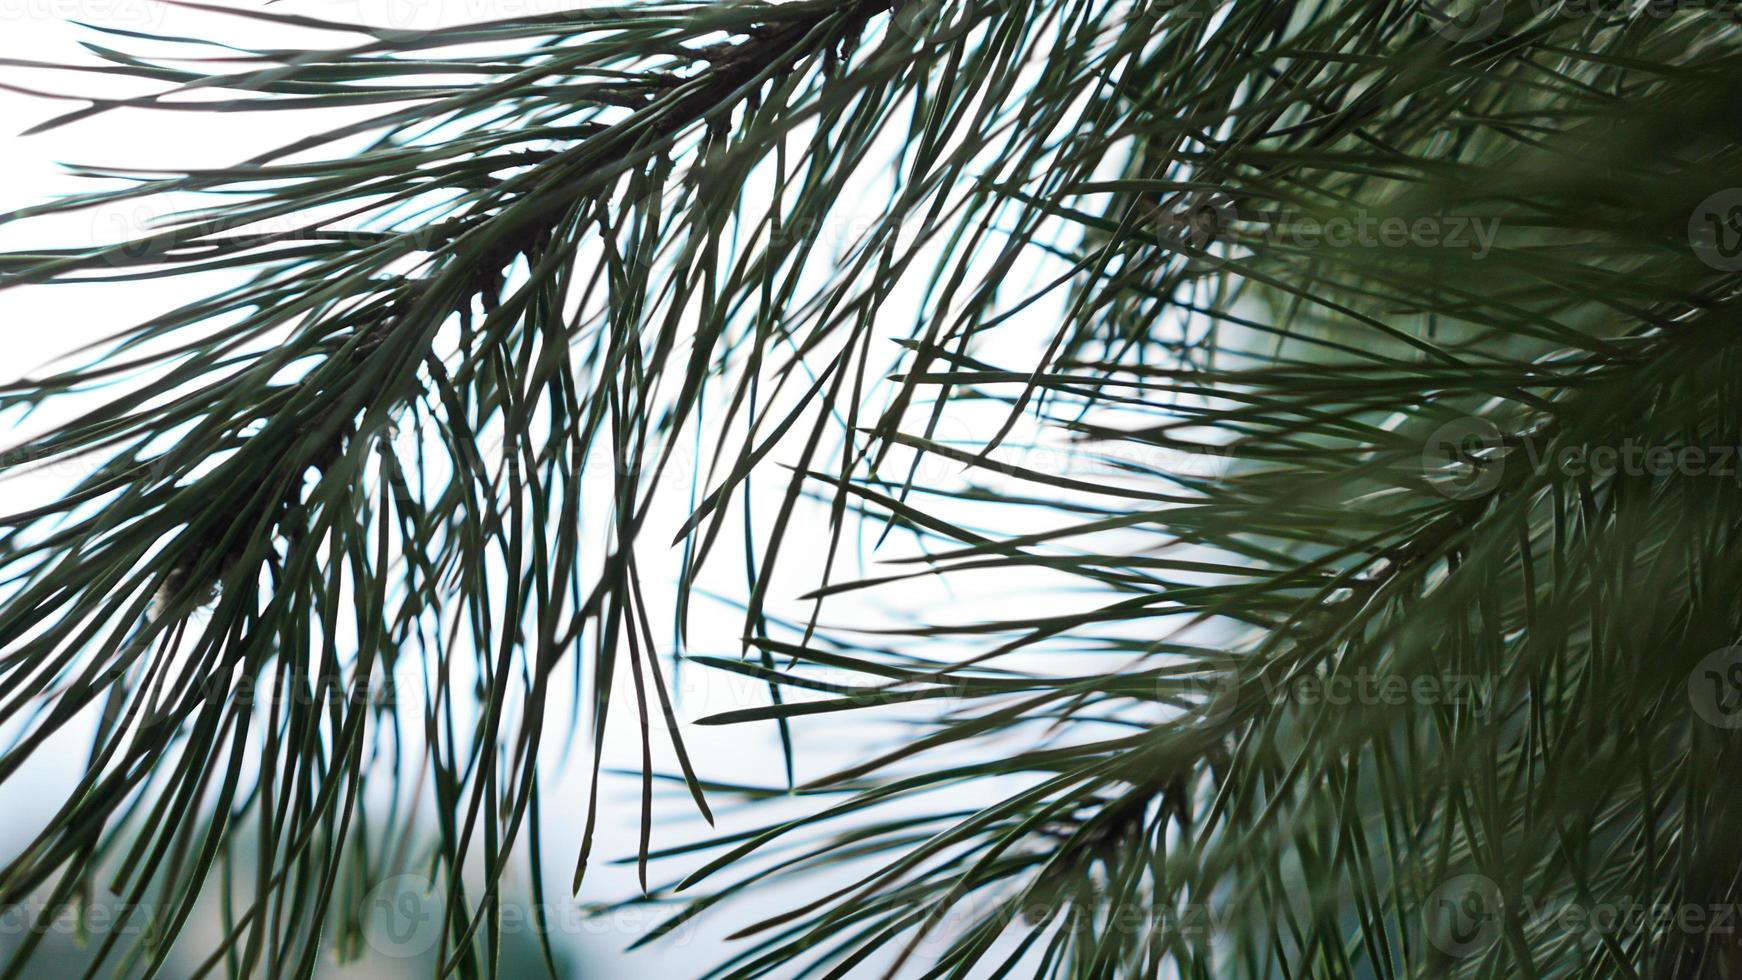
(1392, 634)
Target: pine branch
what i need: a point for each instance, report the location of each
(340, 529)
